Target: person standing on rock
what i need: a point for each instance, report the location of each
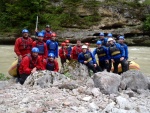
(87, 58)
(103, 56)
(23, 46)
(63, 53)
(117, 55)
(123, 45)
(77, 49)
(103, 39)
(41, 45)
(52, 64)
(52, 45)
(30, 64)
(47, 33)
(69, 49)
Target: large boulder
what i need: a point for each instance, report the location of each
(108, 83)
(45, 79)
(75, 70)
(134, 80)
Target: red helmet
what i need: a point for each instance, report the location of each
(87, 44)
(67, 41)
(63, 44)
(53, 34)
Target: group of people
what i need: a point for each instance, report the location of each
(42, 54)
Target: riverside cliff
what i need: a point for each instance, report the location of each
(117, 17)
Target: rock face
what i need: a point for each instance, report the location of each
(134, 80)
(125, 17)
(108, 83)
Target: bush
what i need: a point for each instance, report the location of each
(3, 77)
(146, 24)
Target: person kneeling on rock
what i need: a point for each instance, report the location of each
(30, 64)
(87, 58)
(52, 64)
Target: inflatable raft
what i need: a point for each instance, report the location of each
(13, 69)
(132, 66)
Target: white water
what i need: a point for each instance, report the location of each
(140, 55)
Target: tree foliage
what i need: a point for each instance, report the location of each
(146, 24)
(19, 14)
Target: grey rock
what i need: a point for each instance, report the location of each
(45, 79)
(93, 107)
(148, 81)
(68, 86)
(142, 109)
(130, 93)
(109, 107)
(75, 70)
(124, 103)
(87, 98)
(96, 92)
(108, 83)
(134, 80)
(116, 110)
(3, 84)
(74, 108)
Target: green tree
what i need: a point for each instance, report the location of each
(146, 24)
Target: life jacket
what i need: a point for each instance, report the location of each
(40, 47)
(69, 49)
(100, 52)
(50, 66)
(32, 64)
(114, 50)
(104, 42)
(52, 45)
(25, 44)
(47, 35)
(87, 56)
(78, 50)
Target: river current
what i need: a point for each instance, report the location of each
(140, 55)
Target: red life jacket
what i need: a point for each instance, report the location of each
(78, 50)
(32, 64)
(25, 44)
(47, 36)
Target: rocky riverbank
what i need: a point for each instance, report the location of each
(51, 92)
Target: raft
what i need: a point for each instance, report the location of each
(13, 68)
(132, 66)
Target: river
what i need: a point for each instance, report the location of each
(140, 55)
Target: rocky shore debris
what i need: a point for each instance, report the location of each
(53, 94)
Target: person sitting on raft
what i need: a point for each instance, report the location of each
(30, 64)
(52, 64)
(117, 55)
(87, 58)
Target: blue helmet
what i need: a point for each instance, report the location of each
(51, 55)
(25, 31)
(109, 35)
(101, 34)
(98, 42)
(121, 37)
(35, 50)
(40, 34)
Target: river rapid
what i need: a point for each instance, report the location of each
(140, 55)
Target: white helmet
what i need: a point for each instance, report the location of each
(84, 47)
(110, 39)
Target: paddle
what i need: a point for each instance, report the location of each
(36, 27)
